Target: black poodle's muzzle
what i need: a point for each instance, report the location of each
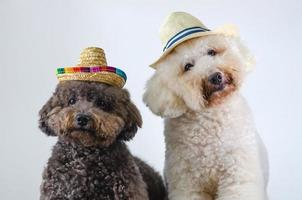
(83, 122)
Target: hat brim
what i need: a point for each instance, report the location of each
(100, 77)
(228, 30)
(103, 74)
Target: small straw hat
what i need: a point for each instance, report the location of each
(180, 26)
(93, 67)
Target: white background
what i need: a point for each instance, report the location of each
(38, 36)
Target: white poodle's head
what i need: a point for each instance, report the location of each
(198, 74)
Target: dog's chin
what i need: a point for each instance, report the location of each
(216, 94)
(89, 138)
(81, 131)
(85, 137)
(218, 97)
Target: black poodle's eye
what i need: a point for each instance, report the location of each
(72, 101)
(188, 66)
(211, 52)
(90, 96)
(104, 105)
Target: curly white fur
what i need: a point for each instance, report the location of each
(213, 150)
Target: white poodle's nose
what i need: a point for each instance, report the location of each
(216, 78)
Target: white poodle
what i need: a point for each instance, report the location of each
(213, 150)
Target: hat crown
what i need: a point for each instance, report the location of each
(177, 22)
(92, 66)
(92, 56)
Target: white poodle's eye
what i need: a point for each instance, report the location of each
(211, 52)
(188, 66)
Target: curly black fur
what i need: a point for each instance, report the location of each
(155, 185)
(91, 161)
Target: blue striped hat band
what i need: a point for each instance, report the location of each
(183, 34)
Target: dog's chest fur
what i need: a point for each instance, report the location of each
(211, 146)
(75, 172)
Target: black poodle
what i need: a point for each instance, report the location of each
(90, 160)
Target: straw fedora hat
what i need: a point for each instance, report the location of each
(180, 26)
(92, 66)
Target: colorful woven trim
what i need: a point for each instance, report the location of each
(94, 69)
(105, 74)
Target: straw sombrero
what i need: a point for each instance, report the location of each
(93, 67)
(180, 26)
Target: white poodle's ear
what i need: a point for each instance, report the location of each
(161, 100)
(247, 57)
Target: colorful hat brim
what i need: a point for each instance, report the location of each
(228, 30)
(103, 74)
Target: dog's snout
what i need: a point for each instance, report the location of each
(82, 120)
(216, 78)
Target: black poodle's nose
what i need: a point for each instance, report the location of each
(82, 120)
(216, 78)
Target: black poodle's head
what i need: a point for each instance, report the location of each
(89, 113)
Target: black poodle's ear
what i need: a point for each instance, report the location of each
(133, 121)
(44, 116)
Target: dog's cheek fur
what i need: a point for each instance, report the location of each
(107, 127)
(62, 121)
(190, 88)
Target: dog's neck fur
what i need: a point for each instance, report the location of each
(210, 142)
(91, 173)
(75, 151)
(213, 120)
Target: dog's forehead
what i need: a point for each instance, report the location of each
(198, 46)
(85, 88)
(214, 41)
(80, 87)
